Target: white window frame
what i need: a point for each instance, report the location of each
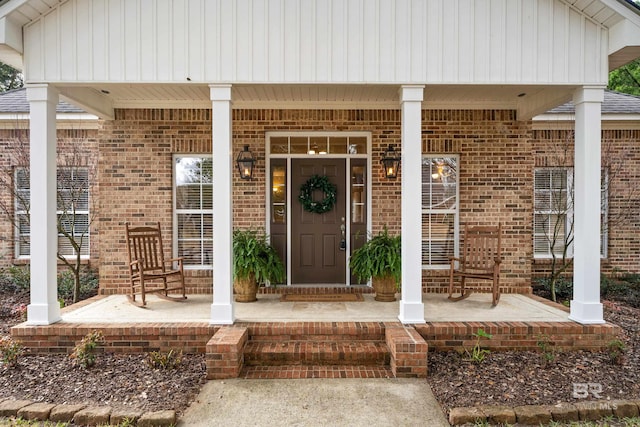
(312, 153)
(455, 211)
(604, 209)
(176, 212)
(18, 236)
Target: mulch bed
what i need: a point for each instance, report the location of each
(525, 378)
(511, 378)
(120, 381)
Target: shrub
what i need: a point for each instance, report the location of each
(10, 351)
(616, 350)
(159, 360)
(15, 279)
(564, 287)
(623, 287)
(478, 354)
(85, 351)
(88, 284)
(547, 348)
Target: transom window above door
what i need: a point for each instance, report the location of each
(318, 144)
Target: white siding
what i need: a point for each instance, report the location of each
(333, 41)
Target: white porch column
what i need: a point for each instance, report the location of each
(411, 306)
(585, 306)
(222, 307)
(44, 308)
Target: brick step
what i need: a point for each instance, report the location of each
(317, 331)
(315, 371)
(258, 353)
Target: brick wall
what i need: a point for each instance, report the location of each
(135, 167)
(497, 157)
(14, 152)
(621, 158)
(137, 147)
(495, 181)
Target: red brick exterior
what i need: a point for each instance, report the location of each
(621, 160)
(495, 181)
(408, 351)
(137, 147)
(224, 357)
(14, 150)
(497, 155)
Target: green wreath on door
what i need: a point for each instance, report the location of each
(317, 182)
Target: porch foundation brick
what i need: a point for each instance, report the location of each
(225, 357)
(123, 338)
(533, 414)
(567, 336)
(93, 416)
(564, 412)
(157, 419)
(499, 414)
(37, 411)
(460, 416)
(121, 416)
(10, 408)
(593, 411)
(408, 351)
(624, 408)
(65, 413)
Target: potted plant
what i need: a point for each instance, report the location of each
(379, 259)
(255, 262)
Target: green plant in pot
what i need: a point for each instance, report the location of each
(379, 259)
(255, 262)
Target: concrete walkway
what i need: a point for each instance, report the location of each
(315, 402)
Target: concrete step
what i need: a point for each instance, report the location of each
(315, 371)
(262, 353)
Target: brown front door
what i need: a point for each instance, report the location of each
(317, 256)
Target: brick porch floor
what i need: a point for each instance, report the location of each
(273, 339)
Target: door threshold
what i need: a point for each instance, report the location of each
(316, 289)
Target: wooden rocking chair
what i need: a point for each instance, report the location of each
(149, 271)
(481, 258)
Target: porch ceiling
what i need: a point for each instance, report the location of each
(528, 100)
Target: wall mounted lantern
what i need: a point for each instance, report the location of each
(390, 162)
(245, 163)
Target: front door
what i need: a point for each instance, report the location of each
(318, 253)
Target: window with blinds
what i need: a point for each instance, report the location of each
(72, 212)
(439, 210)
(193, 210)
(553, 213)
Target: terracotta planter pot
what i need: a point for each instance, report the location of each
(385, 288)
(246, 289)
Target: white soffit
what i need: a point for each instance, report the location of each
(322, 96)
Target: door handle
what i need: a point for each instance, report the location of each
(343, 241)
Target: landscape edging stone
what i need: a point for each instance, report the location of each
(536, 414)
(88, 415)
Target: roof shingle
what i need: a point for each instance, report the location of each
(614, 103)
(15, 101)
